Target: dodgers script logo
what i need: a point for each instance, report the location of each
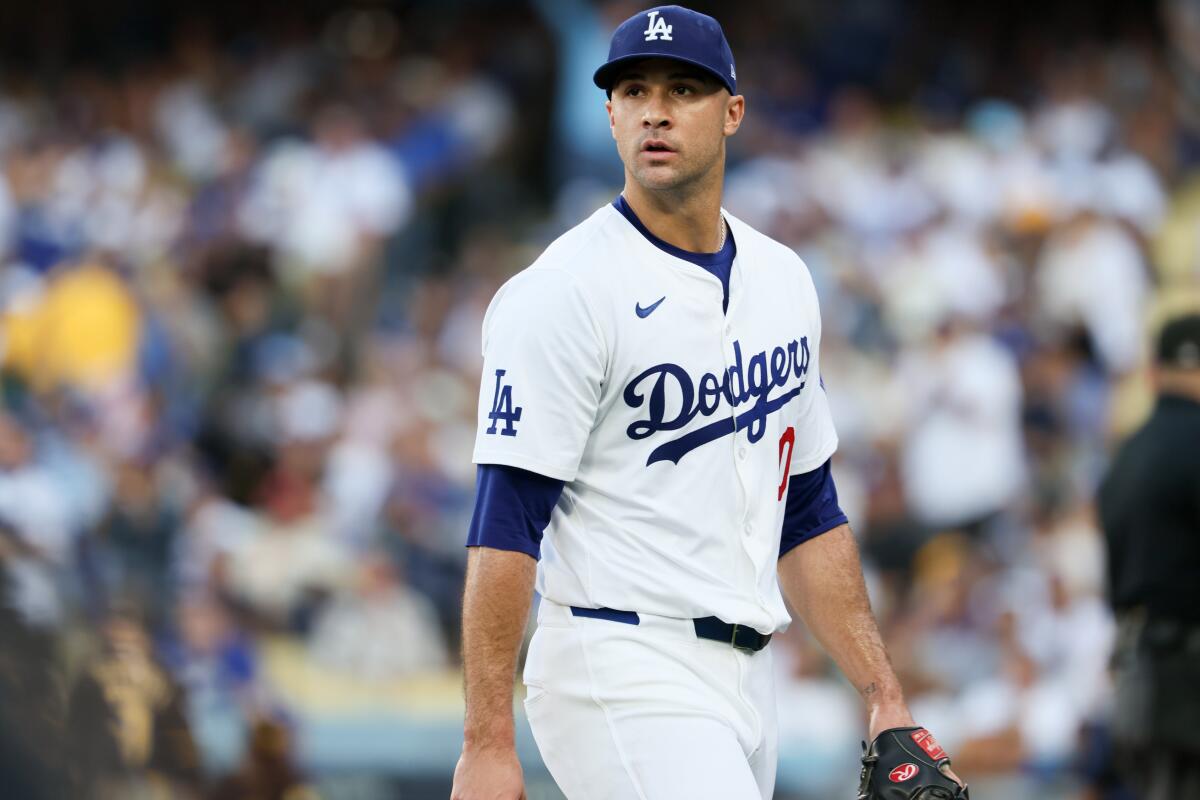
(658, 28)
(736, 386)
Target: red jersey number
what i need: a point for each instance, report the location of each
(788, 440)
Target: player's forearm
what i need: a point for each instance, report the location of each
(499, 589)
(823, 581)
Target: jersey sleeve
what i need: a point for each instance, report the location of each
(512, 508)
(816, 437)
(812, 508)
(543, 368)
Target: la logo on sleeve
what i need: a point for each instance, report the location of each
(502, 408)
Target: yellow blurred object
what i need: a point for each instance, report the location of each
(83, 331)
(313, 688)
(1176, 248)
(940, 560)
(1029, 220)
(1131, 403)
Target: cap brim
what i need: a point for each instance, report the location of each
(606, 75)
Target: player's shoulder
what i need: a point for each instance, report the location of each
(579, 260)
(567, 275)
(585, 251)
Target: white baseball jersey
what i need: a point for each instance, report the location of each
(609, 364)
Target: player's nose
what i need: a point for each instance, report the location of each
(655, 115)
(655, 121)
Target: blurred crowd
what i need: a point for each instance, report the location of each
(241, 291)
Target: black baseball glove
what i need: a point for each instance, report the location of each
(905, 764)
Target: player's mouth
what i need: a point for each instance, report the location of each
(657, 148)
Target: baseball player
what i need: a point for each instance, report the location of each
(653, 451)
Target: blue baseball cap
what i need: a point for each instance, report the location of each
(671, 32)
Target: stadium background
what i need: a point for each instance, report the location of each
(244, 254)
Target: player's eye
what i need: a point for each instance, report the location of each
(683, 89)
(633, 91)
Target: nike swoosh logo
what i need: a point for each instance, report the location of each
(645, 312)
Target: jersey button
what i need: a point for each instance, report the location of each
(728, 328)
(748, 528)
(742, 453)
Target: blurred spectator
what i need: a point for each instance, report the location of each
(1092, 274)
(215, 530)
(31, 708)
(962, 460)
(379, 629)
(807, 690)
(294, 561)
(267, 772)
(581, 34)
(127, 729)
(325, 207)
(212, 658)
(139, 536)
(292, 565)
(38, 538)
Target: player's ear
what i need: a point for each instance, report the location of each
(735, 110)
(612, 123)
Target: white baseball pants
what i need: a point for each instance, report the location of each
(649, 711)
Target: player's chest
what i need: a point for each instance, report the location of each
(683, 373)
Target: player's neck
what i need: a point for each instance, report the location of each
(689, 221)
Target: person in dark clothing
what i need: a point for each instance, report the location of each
(127, 728)
(267, 771)
(31, 712)
(1149, 508)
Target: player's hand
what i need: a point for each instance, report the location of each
(488, 774)
(897, 716)
(906, 763)
(888, 715)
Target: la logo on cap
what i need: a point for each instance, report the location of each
(658, 28)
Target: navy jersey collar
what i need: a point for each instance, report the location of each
(706, 260)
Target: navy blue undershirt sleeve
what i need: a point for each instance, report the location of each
(812, 508)
(720, 263)
(512, 508)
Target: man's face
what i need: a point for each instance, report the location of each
(670, 121)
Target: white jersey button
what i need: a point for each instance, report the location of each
(749, 528)
(742, 453)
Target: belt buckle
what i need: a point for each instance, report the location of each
(733, 641)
